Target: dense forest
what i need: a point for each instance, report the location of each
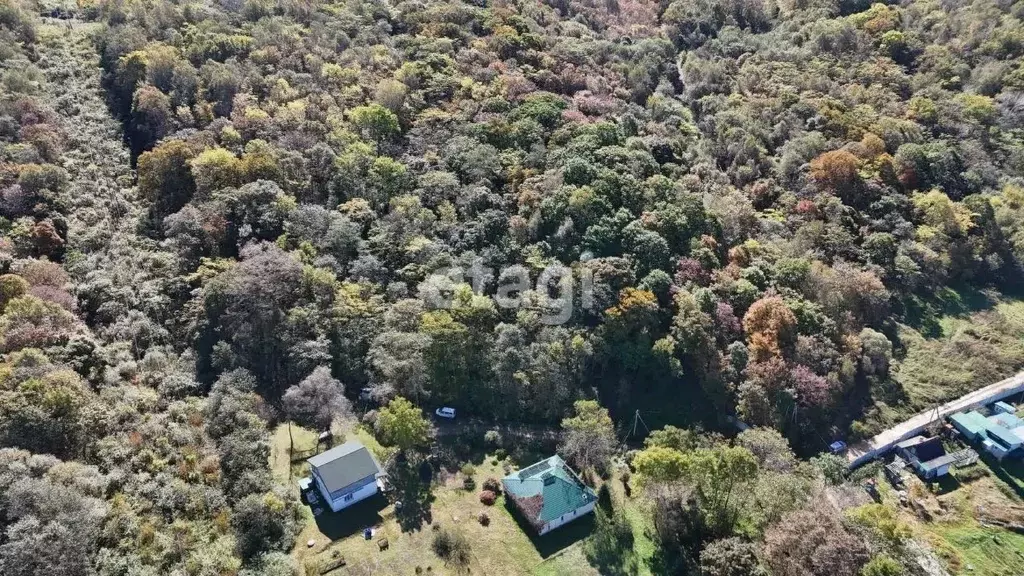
(698, 209)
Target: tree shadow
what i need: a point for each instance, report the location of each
(924, 314)
(453, 450)
(412, 493)
(610, 548)
(558, 539)
(944, 484)
(1011, 472)
(351, 520)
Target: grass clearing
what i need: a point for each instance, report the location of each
(982, 550)
(505, 547)
(958, 523)
(955, 345)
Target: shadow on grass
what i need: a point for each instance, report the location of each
(925, 314)
(413, 489)
(452, 451)
(351, 520)
(558, 539)
(1010, 471)
(945, 484)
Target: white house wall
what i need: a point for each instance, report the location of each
(360, 494)
(566, 518)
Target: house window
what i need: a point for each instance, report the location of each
(347, 497)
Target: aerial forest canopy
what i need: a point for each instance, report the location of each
(757, 192)
(714, 209)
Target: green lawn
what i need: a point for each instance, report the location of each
(504, 547)
(574, 561)
(968, 547)
(982, 550)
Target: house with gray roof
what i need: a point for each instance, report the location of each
(548, 494)
(926, 456)
(345, 474)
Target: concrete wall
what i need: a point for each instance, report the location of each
(879, 445)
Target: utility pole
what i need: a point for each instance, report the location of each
(637, 419)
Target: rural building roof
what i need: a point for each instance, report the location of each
(1004, 407)
(1008, 421)
(910, 442)
(546, 490)
(941, 461)
(930, 449)
(344, 465)
(971, 421)
(1004, 436)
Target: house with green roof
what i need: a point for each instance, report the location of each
(548, 494)
(1000, 434)
(970, 424)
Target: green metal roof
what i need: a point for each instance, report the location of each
(1003, 436)
(971, 421)
(546, 490)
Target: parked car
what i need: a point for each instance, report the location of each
(445, 412)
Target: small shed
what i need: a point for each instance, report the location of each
(1003, 408)
(971, 424)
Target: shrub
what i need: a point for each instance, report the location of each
(488, 497)
(493, 485)
(484, 519)
(468, 470)
(628, 458)
(882, 565)
(468, 483)
(971, 473)
(11, 287)
(452, 547)
(882, 520)
(370, 419)
(501, 453)
(492, 437)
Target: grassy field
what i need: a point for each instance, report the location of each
(982, 550)
(505, 547)
(957, 520)
(955, 344)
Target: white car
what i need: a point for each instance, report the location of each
(445, 412)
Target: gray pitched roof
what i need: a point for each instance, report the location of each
(344, 465)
